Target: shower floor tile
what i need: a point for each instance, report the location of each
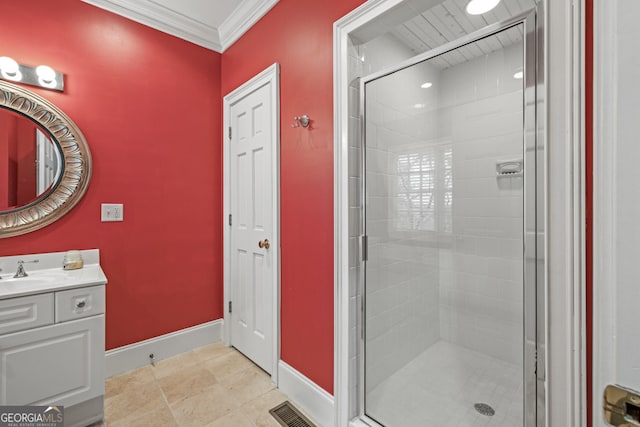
(440, 387)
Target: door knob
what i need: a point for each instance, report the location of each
(264, 244)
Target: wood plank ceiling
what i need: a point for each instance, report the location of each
(448, 21)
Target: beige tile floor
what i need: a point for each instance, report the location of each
(213, 386)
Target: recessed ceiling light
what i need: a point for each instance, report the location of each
(478, 7)
(518, 75)
(426, 85)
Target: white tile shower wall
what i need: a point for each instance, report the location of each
(381, 53)
(363, 60)
(481, 300)
(477, 268)
(402, 297)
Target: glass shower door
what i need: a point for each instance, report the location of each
(444, 203)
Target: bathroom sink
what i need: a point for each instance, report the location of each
(36, 281)
(12, 280)
(50, 279)
(38, 276)
(45, 273)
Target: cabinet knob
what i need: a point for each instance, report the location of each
(81, 304)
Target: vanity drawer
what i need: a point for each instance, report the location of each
(18, 314)
(79, 303)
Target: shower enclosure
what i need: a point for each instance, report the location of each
(451, 162)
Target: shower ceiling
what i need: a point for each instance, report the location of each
(448, 21)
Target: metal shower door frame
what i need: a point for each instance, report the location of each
(534, 277)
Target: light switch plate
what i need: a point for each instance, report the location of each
(112, 212)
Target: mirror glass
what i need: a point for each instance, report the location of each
(45, 162)
(30, 161)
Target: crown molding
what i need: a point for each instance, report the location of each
(153, 15)
(241, 19)
(163, 19)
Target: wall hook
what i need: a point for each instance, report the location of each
(301, 121)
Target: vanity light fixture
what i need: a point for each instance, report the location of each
(478, 7)
(41, 76)
(426, 85)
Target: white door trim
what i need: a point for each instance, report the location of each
(605, 141)
(564, 248)
(270, 76)
(343, 369)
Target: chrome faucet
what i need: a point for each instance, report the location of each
(21, 272)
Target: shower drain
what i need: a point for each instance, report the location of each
(484, 409)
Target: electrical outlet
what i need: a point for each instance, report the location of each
(112, 212)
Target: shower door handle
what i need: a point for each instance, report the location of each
(365, 248)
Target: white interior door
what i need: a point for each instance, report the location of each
(252, 237)
(46, 160)
(616, 207)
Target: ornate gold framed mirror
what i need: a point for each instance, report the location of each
(45, 162)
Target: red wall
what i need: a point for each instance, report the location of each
(18, 160)
(589, 201)
(149, 105)
(8, 159)
(25, 143)
(12, 179)
(299, 36)
(5, 188)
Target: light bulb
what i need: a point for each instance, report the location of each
(45, 73)
(50, 84)
(9, 65)
(518, 75)
(426, 85)
(478, 7)
(10, 69)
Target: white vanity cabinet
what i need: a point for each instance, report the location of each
(52, 346)
(60, 362)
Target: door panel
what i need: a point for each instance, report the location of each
(616, 207)
(252, 198)
(47, 160)
(263, 196)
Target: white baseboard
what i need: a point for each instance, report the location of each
(308, 395)
(136, 355)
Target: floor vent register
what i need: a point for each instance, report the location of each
(289, 416)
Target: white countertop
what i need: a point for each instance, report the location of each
(47, 275)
